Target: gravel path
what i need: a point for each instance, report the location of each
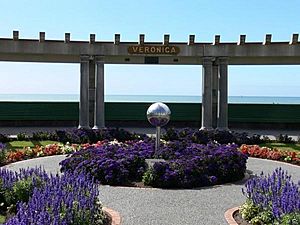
(203, 206)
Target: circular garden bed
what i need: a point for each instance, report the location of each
(186, 159)
(185, 165)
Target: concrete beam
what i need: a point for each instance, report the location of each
(15, 35)
(117, 39)
(92, 38)
(42, 36)
(191, 39)
(142, 39)
(166, 39)
(67, 37)
(268, 39)
(294, 40)
(260, 53)
(242, 40)
(217, 39)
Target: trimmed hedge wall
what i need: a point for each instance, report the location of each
(60, 111)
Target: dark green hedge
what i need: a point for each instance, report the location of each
(260, 113)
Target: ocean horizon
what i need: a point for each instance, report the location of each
(146, 98)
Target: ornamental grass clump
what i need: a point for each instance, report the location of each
(40, 199)
(272, 199)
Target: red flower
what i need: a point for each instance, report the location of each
(268, 153)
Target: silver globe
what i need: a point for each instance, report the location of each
(158, 114)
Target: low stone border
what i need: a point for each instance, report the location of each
(114, 215)
(229, 216)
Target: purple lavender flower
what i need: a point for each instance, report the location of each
(2, 146)
(63, 200)
(188, 164)
(276, 193)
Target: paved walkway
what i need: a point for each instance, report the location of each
(203, 206)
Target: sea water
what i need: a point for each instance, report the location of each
(147, 98)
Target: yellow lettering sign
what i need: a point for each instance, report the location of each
(167, 50)
(135, 49)
(173, 50)
(153, 49)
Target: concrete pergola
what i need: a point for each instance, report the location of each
(93, 55)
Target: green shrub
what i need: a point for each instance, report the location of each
(248, 210)
(3, 152)
(22, 137)
(148, 178)
(285, 139)
(291, 219)
(21, 191)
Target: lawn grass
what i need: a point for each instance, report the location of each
(13, 145)
(282, 146)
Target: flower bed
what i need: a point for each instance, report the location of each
(268, 153)
(187, 164)
(206, 136)
(32, 197)
(112, 163)
(80, 136)
(39, 151)
(272, 199)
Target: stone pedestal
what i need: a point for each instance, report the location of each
(150, 162)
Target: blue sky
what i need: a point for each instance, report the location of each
(230, 18)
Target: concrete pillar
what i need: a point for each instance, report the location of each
(215, 84)
(207, 94)
(84, 93)
(91, 92)
(99, 120)
(223, 94)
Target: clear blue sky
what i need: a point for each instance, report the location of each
(205, 18)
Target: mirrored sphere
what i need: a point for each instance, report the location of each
(158, 114)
